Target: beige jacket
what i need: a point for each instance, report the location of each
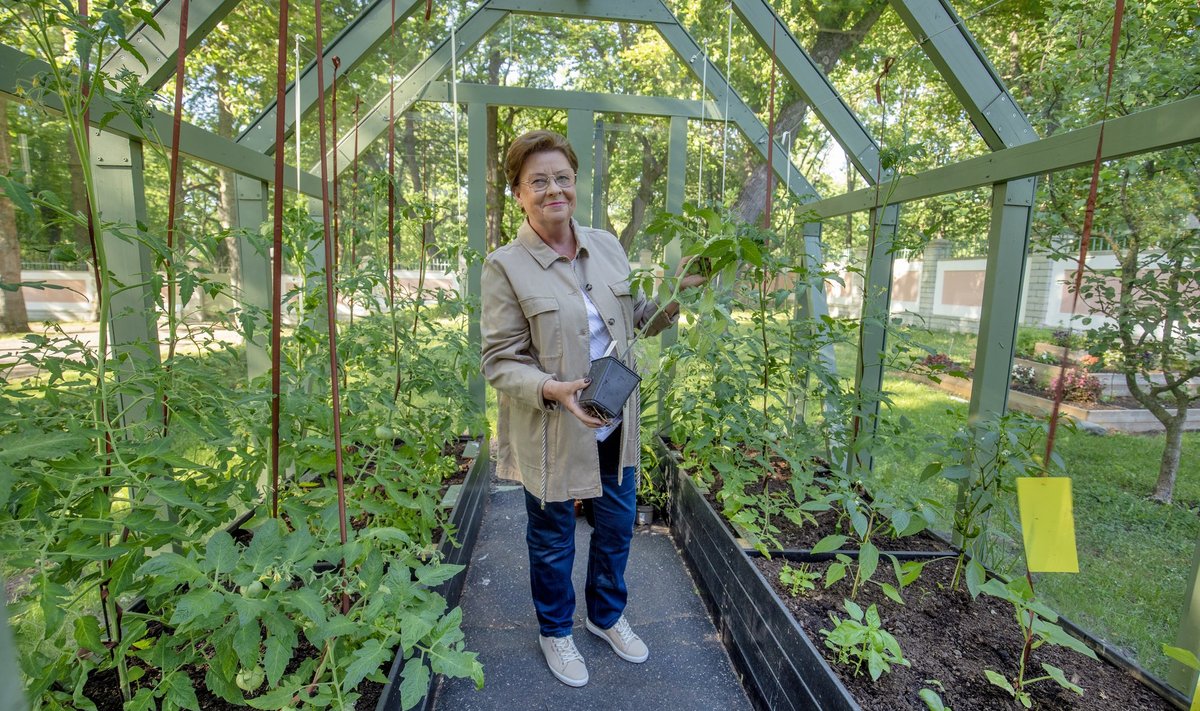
(534, 327)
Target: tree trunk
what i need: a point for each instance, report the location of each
(13, 317)
(652, 170)
(831, 43)
(1168, 467)
(227, 180)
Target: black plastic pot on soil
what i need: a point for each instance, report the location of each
(465, 518)
(780, 664)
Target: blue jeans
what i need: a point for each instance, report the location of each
(550, 534)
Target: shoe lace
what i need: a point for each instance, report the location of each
(565, 647)
(622, 628)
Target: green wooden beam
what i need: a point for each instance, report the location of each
(1180, 676)
(439, 91)
(1155, 129)
(600, 171)
(1008, 246)
(476, 234)
(12, 691)
(621, 10)
(876, 313)
(581, 134)
(949, 44)
(677, 154)
(160, 50)
(133, 312)
(255, 268)
(829, 106)
(18, 71)
(374, 122)
(365, 33)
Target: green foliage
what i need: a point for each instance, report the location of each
(798, 580)
(860, 639)
(983, 460)
(1037, 623)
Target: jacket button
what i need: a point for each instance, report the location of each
(588, 287)
(612, 321)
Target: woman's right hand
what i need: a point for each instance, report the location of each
(567, 395)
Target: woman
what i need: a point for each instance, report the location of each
(554, 299)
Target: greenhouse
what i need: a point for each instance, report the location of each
(823, 355)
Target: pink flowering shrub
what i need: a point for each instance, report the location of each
(1078, 386)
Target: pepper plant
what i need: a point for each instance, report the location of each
(1037, 623)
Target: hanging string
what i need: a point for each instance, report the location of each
(391, 210)
(454, 108)
(354, 195)
(771, 136)
(703, 104)
(1088, 218)
(330, 299)
(391, 197)
(337, 63)
(277, 250)
(172, 207)
(728, 91)
(299, 39)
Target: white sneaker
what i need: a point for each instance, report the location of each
(564, 660)
(624, 642)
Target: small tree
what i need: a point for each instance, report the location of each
(1150, 303)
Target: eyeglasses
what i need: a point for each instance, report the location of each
(541, 183)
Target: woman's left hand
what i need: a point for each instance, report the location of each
(689, 281)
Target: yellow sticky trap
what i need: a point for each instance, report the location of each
(1195, 698)
(1048, 524)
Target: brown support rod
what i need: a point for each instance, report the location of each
(1086, 236)
(277, 253)
(330, 297)
(172, 209)
(337, 63)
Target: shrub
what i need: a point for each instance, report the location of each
(939, 362)
(1078, 386)
(1063, 337)
(1024, 375)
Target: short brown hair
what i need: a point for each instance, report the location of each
(532, 142)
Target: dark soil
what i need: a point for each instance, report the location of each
(948, 637)
(105, 691)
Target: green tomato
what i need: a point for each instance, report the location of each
(253, 590)
(250, 679)
(385, 432)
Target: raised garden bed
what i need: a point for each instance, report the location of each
(466, 517)
(466, 496)
(783, 661)
(1111, 384)
(1108, 417)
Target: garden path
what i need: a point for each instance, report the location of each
(688, 667)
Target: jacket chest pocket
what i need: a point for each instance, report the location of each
(624, 298)
(545, 327)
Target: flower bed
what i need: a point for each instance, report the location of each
(1107, 416)
(785, 668)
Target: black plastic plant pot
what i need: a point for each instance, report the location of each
(612, 384)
